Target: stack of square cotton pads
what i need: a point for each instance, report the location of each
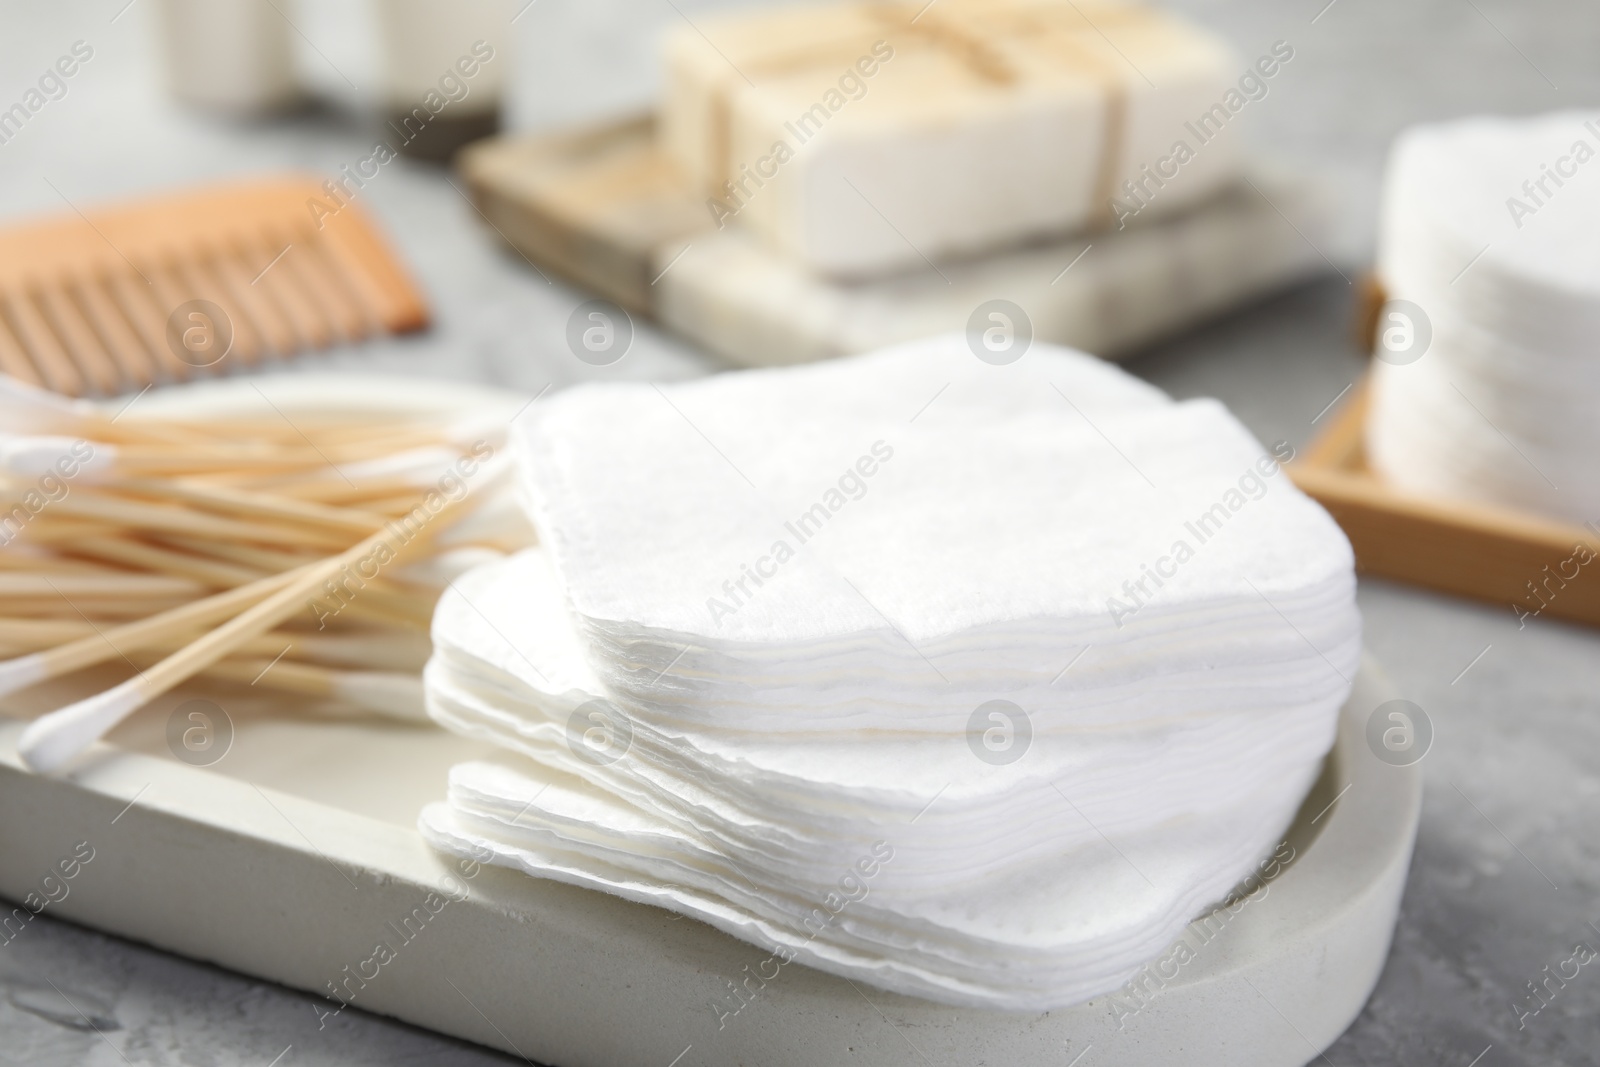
(970, 682)
(1487, 382)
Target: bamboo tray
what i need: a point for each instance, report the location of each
(1472, 549)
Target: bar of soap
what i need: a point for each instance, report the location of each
(860, 139)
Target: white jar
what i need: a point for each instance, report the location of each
(232, 56)
(444, 68)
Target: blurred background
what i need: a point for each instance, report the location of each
(1506, 868)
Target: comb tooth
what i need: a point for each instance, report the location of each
(378, 305)
(256, 266)
(168, 294)
(37, 337)
(79, 337)
(347, 314)
(276, 335)
(13, 360)
(297, 273)
(308, 326)
(196, 279)
(127, 348)
(136, 298)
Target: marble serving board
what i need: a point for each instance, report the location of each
(294, 856)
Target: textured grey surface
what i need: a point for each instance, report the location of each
(1505, 878)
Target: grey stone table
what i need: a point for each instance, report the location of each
(1505, 878)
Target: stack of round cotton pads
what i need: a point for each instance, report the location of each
(1487, 381)
(976, 683)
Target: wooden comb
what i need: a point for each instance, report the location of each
(106, 302)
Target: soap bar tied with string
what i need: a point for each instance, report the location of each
(864, 138)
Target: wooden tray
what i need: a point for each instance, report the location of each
(1464, 547)
(594, 205)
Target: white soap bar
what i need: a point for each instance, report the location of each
(866, 138)
(1106, 293)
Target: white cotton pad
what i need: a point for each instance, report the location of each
(967, 549)
(1484, 229)
(510, 662)
(1164, 622)
(1089, 921)
(679, 820)
(1473, 220)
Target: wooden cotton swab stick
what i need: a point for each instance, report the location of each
(393, 695)
(32, 456)
(259, 557)
(380, 601)
(107, 644)
(54, 607)
(142, 515)
(51, 741)
(225, 500)
(31, 635)
(149, 557)
(339, 492)
(29, 409)
(383, 599)
(384, 651)
(38, 563)
(390, 694)
(105, 584)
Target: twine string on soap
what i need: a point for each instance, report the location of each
(967, 36)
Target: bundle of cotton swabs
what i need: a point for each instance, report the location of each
(300, 555)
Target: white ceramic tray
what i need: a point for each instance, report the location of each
(296, 854)
(293, 856)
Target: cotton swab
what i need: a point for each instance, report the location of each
(383, 600)
(51, 741)
(39, 563)
(140, 515)
(403, 651)
(150, 557)
(113, 610)
(387, 693)
(247, 504)
(232, 546)
(104, 584)
(130, 637)
(339, 492)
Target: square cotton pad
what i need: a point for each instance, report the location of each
(1057, 665)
